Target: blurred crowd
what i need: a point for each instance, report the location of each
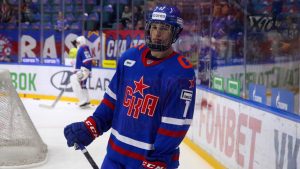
(215, 31)
(68, 14)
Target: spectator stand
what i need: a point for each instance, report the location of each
(61, 22)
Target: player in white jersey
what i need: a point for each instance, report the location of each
(82, 72)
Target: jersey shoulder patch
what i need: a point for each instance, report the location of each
(129, 62)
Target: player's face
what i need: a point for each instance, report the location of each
(160, 33)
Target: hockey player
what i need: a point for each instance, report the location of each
(149, 103)
(82, 71)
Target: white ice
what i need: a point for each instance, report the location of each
(50, 124)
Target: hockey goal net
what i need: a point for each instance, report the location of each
(20, 143)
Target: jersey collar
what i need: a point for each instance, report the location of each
(150, 62)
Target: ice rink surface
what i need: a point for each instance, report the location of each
(51, 122)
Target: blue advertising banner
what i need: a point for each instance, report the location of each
(257, 93)
(106, 46)
(30, 45)
(117, 42)
(282, 99)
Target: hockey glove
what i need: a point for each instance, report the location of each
(81, 132)
(79, 75)
(83, 73)
(153, 164)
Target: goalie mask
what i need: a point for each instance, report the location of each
(168, 16)
(80, 41)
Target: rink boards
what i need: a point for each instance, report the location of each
(237, 133)
(46, 82)
(242, 134)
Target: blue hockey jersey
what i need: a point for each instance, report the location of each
(149, 107)
(83, 58)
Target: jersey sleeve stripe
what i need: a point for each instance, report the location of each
(108, 103)
(125, 152)
(175, 121)
(111, 93)
(87, 60)
(131, 154)
(175, 157)
(171, 133)
(132, 142)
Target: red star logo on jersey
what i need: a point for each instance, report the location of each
(192, 83)
(140, 86)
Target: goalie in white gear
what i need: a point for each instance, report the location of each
(82, 72)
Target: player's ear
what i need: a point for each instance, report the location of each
(177, 33)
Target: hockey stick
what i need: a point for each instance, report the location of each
(60, 94)
(54, 103)
(86, 154)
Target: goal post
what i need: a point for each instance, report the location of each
(20, 143)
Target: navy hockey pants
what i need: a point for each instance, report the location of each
(110, 164)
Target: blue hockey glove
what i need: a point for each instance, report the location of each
(81, 132)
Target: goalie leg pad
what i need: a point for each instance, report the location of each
(85, 95)
(77, 89)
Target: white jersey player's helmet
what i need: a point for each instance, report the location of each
(80, 41)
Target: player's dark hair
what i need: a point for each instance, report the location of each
(74, 43)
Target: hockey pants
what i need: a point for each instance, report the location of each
(110, 164)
